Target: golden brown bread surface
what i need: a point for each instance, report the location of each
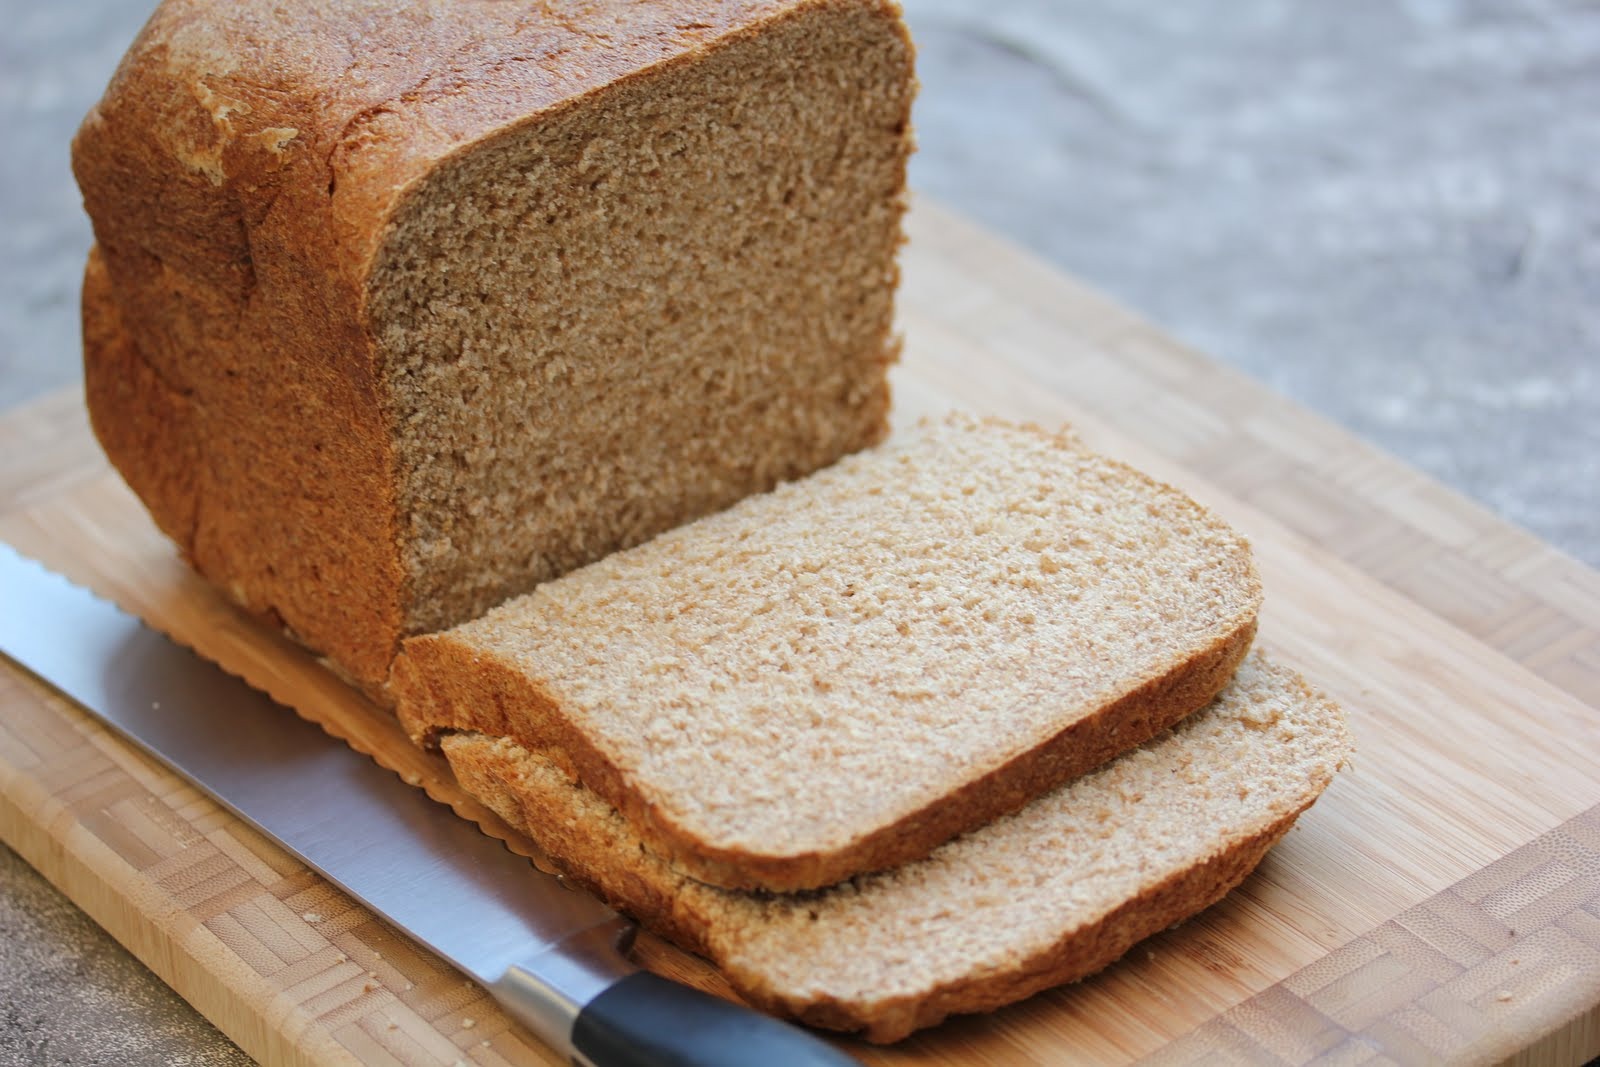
(398, 309)
(1047, 895)
(838, 676)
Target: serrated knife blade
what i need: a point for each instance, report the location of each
(554, 957)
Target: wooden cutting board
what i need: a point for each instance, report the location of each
(1442, 902)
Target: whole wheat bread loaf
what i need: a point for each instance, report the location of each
(398, 309)
(841, 674)
(1047, 895)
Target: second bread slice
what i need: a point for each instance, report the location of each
(1047, 895)
(840, 675)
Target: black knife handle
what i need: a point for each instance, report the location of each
(644, 1021)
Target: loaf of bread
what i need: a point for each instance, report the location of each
(841, 674)
(1047, 895)
(398, 309)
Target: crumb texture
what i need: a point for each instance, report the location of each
(1046, 895)
(642, 309)
(842, 657)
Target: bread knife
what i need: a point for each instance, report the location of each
(554, 957)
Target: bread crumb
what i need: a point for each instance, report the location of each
(273, 138)
(312, 917)
(413, 778)
(468, 1023)
(1503, 996)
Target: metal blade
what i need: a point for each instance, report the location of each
(409, 859)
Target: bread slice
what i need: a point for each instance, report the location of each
(1047, 895)
(840, 675)
(400, 309)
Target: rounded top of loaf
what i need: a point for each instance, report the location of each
(322, 113)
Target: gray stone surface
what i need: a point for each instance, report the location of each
(55, 59)
(70, 995)
(1389, 211)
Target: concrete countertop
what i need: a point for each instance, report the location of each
(1389, 211)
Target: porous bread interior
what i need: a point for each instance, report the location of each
(840, 656)
(1039, 897)
(638, 310)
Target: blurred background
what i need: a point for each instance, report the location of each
(1388, 210)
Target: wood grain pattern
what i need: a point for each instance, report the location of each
(1384, 928)
(1477, 972)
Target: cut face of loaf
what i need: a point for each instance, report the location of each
(840, 675)
(1047, 895)
(400, 309)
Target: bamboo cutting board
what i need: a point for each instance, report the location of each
(1442, 902)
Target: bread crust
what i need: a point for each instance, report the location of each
(140, 419)
(207, 180)
(242, 172)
